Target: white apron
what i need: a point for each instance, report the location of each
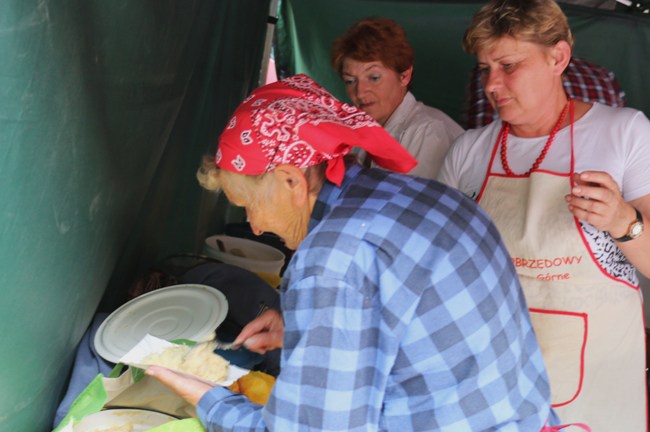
(589, 324)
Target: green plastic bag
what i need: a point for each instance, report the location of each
(131, 389)
(184, 425)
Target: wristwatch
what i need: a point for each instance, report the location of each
(635, 229)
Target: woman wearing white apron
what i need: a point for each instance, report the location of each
(567, 184)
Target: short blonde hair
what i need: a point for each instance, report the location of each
(253, 187)
(208, 175)
(537, 21)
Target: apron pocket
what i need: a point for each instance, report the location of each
(562, 337)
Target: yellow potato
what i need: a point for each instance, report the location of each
(255, 385)
(235, 387)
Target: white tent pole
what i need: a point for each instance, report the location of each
(268, 44)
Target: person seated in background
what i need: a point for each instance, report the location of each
(375, 61)
(567, 183)
(400, 308)
(583, 81)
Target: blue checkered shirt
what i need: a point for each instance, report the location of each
(402, 312)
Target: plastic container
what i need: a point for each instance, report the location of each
(136, 420)
(251, 255)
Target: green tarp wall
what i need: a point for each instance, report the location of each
(106, 108)
(307, 28)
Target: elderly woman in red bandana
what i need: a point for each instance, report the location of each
(401, 310)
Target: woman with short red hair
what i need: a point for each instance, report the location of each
(375, 61)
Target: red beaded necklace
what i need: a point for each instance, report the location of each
(504, 143)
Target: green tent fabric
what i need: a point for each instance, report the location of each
(106, 110)
(307, 28)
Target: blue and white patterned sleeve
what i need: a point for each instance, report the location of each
(402, 312)
(335, 372)
(223, 410)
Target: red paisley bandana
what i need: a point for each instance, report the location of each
(295, 121)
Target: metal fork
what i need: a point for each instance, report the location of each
(217, 344)
(221, 345)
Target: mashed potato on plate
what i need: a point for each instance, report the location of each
(200, 361)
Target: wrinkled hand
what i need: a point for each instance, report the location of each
(190, 389)
(264, 333)
(597, 199)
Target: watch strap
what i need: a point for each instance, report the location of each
(628, 236)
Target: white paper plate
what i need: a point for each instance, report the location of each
(186, 311)
(151, 344)
(139, 420)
